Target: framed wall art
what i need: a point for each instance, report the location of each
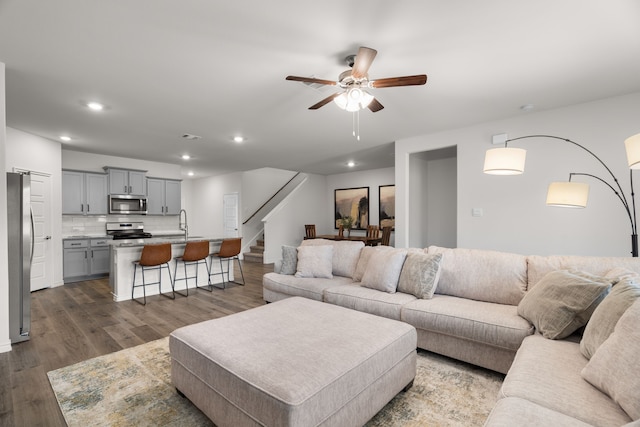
(353, 202)
(387, 206)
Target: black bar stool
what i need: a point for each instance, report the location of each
(195, 253)
(154, 257)
(229, 250)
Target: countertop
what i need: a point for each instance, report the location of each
(131, 243)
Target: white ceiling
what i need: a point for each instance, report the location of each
(216, 69)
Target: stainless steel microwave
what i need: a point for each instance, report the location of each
(126, 204)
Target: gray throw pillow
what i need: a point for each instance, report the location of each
(420, 274)
(563, 301)
(606, 315)
(289, 260)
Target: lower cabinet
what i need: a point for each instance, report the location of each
(85, 259)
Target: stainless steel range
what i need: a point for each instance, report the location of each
(127, 230)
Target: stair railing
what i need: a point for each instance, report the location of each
(270, 199)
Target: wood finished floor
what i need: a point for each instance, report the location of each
(78, 321)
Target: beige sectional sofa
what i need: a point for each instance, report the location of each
(471, 313)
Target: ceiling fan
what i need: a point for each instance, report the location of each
(355, 81)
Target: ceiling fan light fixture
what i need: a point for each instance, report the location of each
(354, 99)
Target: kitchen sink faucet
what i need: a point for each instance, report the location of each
(183, 225)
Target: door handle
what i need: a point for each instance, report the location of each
(47, 238)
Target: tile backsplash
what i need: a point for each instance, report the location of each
(76, 225)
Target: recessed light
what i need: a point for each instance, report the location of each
(186, 157)
(527, 107)
(351, 163)
(65, 138)
(95, 106)
(190, 173)
(238, 139)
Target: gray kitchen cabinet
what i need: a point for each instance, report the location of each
(84, 193)
(85, 259)
(163, 196)
(126, 181)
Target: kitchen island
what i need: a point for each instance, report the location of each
(124, 252)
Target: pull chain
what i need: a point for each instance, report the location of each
(356, 125)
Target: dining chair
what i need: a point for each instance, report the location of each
(386, 235)
(373, 231)
(153, 257)
(195, 253)
(229, 251)
(310, 231)
(340, 230)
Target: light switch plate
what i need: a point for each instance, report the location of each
(476, 212)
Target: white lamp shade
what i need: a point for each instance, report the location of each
(504, 161)
(353, 99)
(568, 194)
(632, 145)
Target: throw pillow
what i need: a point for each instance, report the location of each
(614, 367)
(314, 261)
(606, 315)
(562, 301)
(363, 261)
(383, 270)
(289, 260)
(420, 274)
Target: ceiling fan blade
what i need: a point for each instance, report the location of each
(417, 80)
(364, 58)
(375, 105)
(311, 80)
(324, 102)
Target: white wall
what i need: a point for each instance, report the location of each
(96, 162)
(259, 185)
(372, 179)
(37, 154)
(5, 342)
(306, 205)
(516, 218)
(203, 202)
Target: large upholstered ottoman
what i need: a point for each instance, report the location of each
(295, 362)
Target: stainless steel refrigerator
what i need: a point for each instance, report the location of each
(20, 238)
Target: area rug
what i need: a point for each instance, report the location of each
(133, 387)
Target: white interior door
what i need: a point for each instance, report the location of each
(230, 207)
(42, 263)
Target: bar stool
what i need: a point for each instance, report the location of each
(229, 250)
(154, 257)
(195, 253)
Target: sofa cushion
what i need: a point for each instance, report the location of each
(547, 372)
(383, 270)
(345, 254)
(604, 318)
(563, 301)
(489, 323)
(311, 288)
(528, 414)
(420, 274)
(615, 366)
(482, 275)
(539, 266)
(289, 260)
(368, 300)
(315, 261)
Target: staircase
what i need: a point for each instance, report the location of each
(256, 254)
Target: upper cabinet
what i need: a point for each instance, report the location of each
(126, 181)
(84, 193)
(163, 196)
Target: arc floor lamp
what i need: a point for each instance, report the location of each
(510, 161)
